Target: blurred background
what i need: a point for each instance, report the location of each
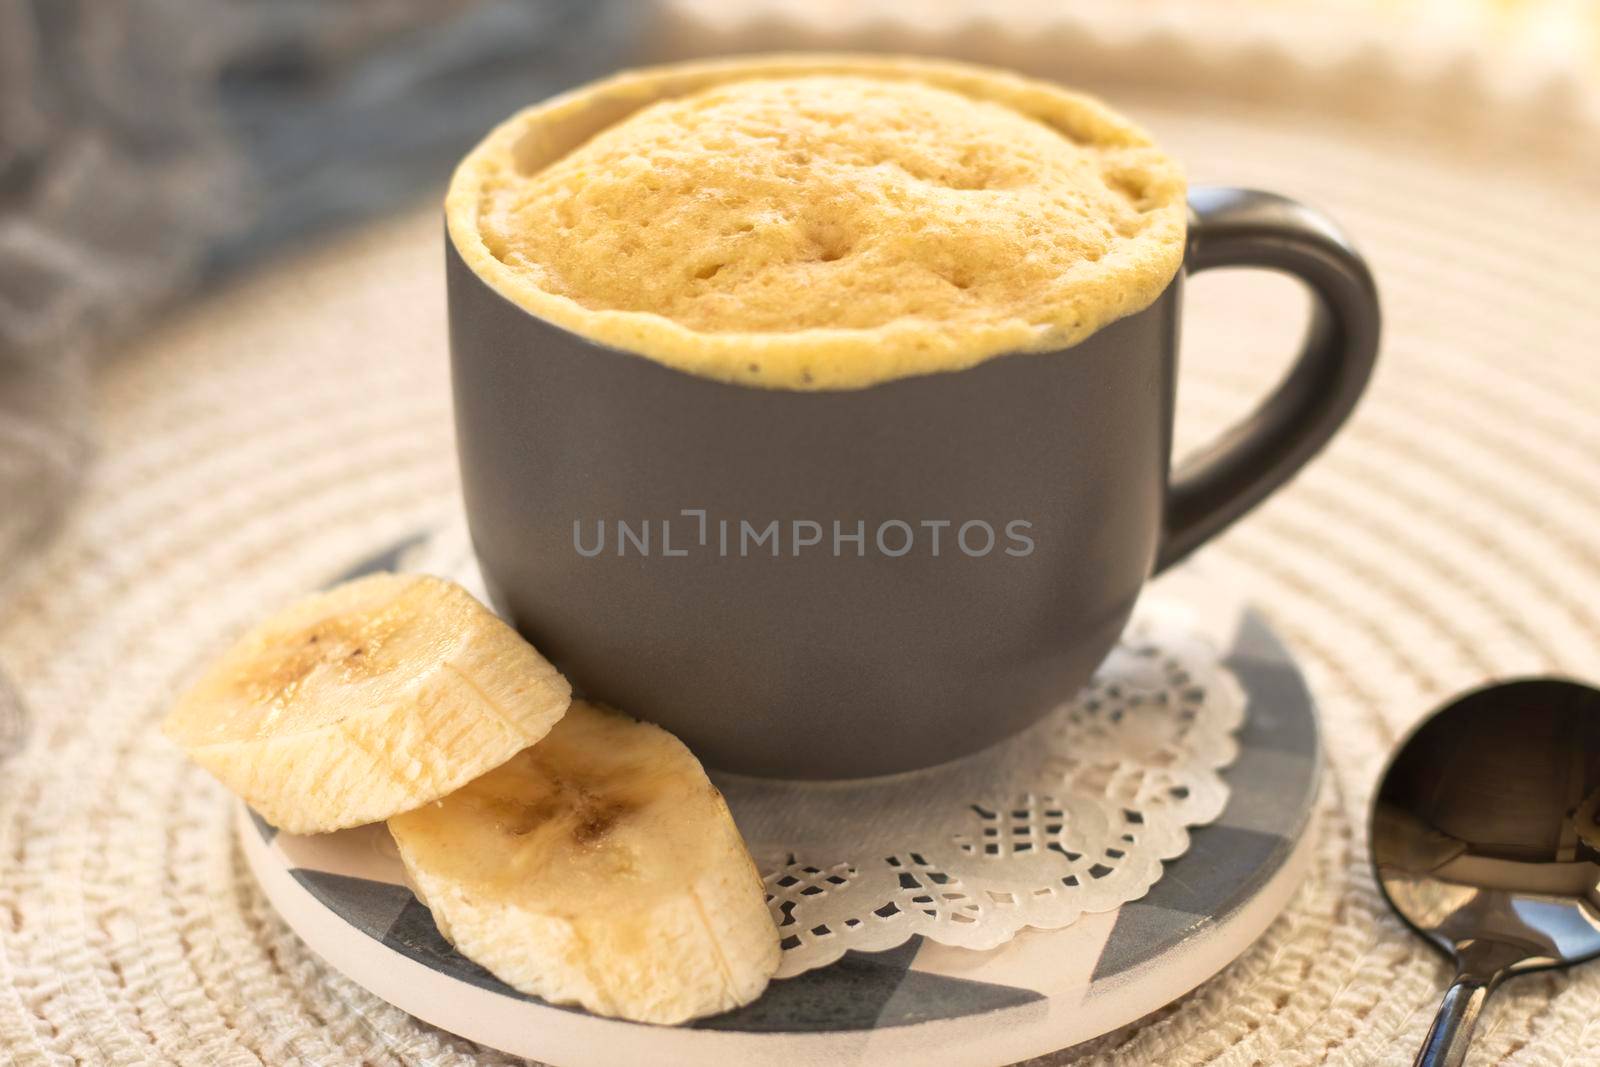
(152, 147)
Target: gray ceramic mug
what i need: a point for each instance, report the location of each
(848, 583)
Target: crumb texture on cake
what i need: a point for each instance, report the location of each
(822, 223)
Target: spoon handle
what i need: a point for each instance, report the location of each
(1447, 1040)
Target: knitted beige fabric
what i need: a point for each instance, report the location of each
(264, 439)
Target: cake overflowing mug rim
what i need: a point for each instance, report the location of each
(1131, 275)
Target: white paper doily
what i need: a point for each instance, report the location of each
(1074, 815)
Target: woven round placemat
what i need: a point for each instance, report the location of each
(275, 432)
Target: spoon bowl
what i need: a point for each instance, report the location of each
(1485, 840)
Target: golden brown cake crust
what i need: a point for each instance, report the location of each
(821, 222)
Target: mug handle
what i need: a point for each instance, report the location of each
(1248, 228)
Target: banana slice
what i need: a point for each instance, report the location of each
(599, 868)
(369, 699)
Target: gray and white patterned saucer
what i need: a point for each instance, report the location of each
(1045, 990)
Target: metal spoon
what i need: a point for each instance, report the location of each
(1485, 839)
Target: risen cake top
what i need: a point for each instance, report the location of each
(822, 223)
